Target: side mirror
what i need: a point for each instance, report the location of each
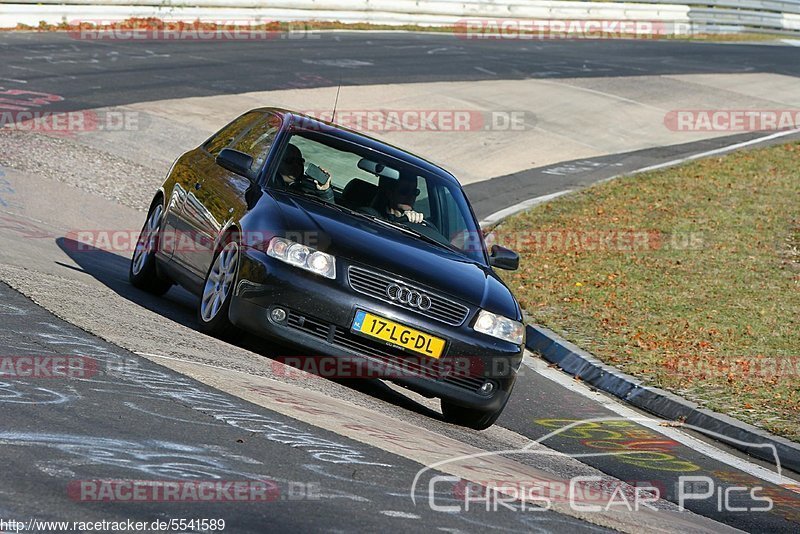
(504, 258)
(237, 162)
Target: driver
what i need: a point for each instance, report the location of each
(401, 195)
(294, 178)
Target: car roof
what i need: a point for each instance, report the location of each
(292, 118)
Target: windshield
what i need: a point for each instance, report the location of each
(382, 187)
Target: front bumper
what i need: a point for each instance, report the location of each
(320, 313)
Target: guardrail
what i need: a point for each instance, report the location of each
(777, 6)
(768, 16)
(712, 16)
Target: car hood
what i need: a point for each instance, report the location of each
(373, 245)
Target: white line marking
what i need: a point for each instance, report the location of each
(403, 515)
(720, 150)
(485, 71)
(560, 378)
(793, 42)
(497, 216)
(342, 63)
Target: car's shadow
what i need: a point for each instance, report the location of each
(179, 305)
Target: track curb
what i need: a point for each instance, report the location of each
(581, 364)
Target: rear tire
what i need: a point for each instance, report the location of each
(142, 272)
(215, 302)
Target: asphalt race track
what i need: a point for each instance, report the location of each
(76, 69)
(313, 476)
(163, 403)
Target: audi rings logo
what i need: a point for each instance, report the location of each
(409, 297)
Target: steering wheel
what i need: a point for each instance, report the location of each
(430, 225)
(426, 223)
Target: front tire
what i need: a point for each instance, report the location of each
(212, 312)
(142, 272)
(470, 417)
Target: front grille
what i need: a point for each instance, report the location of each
(377, 285)
(394, 359)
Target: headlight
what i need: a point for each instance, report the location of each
(302, 256)
(500, 327)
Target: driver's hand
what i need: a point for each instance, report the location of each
(326, 185)
(413, 216)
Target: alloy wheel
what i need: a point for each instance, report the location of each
(219, 281)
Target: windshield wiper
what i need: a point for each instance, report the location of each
(314, 198)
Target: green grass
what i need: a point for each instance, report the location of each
(716, 321)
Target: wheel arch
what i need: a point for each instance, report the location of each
(231, 228)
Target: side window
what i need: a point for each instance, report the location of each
(257, 141)
(225, 136)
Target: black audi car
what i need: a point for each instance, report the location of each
(320, 237)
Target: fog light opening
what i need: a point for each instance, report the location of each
(278, 315)
(487, 388)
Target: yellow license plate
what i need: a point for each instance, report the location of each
(397, 334)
